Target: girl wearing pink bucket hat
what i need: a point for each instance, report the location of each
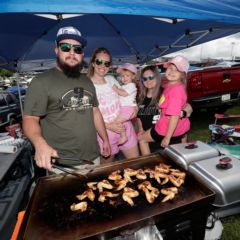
(170, 128)
(127, 94)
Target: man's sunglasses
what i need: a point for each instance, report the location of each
(102, 62)
(151, 77)
(66, 47)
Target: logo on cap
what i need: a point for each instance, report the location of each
(68, 30)
(70, 33)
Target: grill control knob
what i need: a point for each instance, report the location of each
(191, 145)
(224, 163)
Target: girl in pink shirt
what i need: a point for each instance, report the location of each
(170, 128)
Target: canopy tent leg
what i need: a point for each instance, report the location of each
(19, 92)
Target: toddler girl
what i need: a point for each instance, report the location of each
(127, 93)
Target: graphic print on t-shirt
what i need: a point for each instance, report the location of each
(109, 105)
(147, 110)
(151, 111)
(77, 99)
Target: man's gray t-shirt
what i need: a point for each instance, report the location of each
(65, 107)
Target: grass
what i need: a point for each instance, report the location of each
(202, 118)
(231, 229)
(199, 131)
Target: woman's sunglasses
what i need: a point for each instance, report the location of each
(102, 62)
(66, 47)
(151, 77)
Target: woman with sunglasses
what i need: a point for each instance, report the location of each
(148, 113)
(148, 102)
(109, 105)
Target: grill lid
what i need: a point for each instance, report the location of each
(184, 154)
(221, 174)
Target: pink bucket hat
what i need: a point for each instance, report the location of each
(180, 62)
(127, 66)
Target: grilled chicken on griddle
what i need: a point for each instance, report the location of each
(130, 183)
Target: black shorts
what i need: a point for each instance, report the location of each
(158, 138)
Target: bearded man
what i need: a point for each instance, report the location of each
(61, 115)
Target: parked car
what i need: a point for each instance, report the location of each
(213, 87)
(10, 111)
(15, 90)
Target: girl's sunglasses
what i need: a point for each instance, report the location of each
(102, 62)
(66, 47)
(151, 77)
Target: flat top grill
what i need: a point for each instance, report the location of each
(45, 212)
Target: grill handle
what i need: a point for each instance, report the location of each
(65, 168)
(80, 161)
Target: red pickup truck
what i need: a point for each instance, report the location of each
(213, 87)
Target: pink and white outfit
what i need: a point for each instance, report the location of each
(110, 107)
(128, 103)
(172, 102)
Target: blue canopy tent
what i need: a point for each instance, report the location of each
(133, 31)
(221, 11)
(130, 38)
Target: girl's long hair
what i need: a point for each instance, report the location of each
(157, 90)
(93, 58)
(184, 79)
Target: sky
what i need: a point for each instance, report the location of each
(227, 48)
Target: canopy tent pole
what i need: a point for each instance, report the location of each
(17, 77)
(202, 33)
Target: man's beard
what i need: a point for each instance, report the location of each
(70, 71)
